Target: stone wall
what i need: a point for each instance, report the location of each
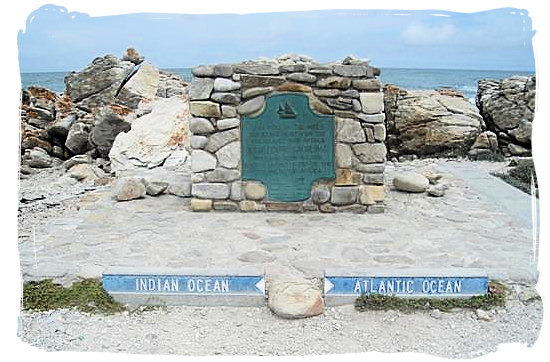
(221, 94)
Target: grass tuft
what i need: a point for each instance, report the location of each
(87, 296)
(496, 296)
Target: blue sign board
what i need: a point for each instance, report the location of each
(184, 284)
(441, 286)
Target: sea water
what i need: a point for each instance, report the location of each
(413, 79)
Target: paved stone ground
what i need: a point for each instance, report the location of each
(462, 229)
(79, 233)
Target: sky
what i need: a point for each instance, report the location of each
(57, 40)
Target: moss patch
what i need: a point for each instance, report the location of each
(520, 176)
(87, 296)
(496, 296)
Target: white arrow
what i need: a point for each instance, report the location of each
(261, 285)
(328, 285)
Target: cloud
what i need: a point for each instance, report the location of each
(423, 34)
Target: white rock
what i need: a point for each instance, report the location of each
(411, 182)
(229, 155)
(153, 137)
(295, 299)
(128, 188)
(202, 161)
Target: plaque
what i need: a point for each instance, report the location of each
(288, 147)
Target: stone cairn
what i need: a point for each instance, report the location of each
(221, 94)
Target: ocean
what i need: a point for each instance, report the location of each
(413, 79)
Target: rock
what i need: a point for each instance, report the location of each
(319, 106)
(225, 85)
(198, 142)
(486, 140)
(350, 70)
(223, 70)
(257, 69)
(517, 150)
(329, 93)
(225, 206)
(142, 85)
(254, 81)
(349, 131)
(128, 188)
(507, 106)
(295, 299)
(210, 190)
(181, 189)
(229, 156)
(97, 84)
(344, 195)
(251, 106)
(256, 256)
(327, 208)
(78, 138)
(410, 182)
(85, 172)
(203, 71)
(254, 191)
(372, 85)
(220, 139)
(343, 155)
(229, 111)
(370, 152)
(155, 188)
(227, 123)
(432, 177)
(202, 161)
(429, 122)
(437, 190)
(334, 82)
(372, 103)
(293, 87)
(201, 205)
(205, 109)
(221, 174)
(248, 205)
(237, 193)
(372, 118)
(107, 125)
(170, 85)
(350, 93)
(200, 89)
(302, 77)
(37, 158)
(484, 315)
(226, 98)
(60, 128)
(154, 137)
(257, 91)
(370, 194)
(77, 160)
(320, 194)
(199, 125)
(133, 56)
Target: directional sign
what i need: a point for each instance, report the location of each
(184, 284)
(430, 284)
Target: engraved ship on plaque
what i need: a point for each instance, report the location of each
(287, 111)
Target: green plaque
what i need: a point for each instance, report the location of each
(288, 147)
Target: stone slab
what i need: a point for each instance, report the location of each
(186, 286)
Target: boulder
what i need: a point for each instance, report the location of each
(133, 56)
(97, 84)
(85, 172)
(107, 125)
(411, 182)
(154, 137)
(429, 122)
(295, 299)
(170, 85)
(142, 85)
(508, 107)
(77, 138)
(128, 188)
(37, 158)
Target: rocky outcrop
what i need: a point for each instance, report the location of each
(98, 84)
(142, 85)
(439, 122)
(508, 108)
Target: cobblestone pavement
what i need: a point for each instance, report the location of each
(461, 229)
